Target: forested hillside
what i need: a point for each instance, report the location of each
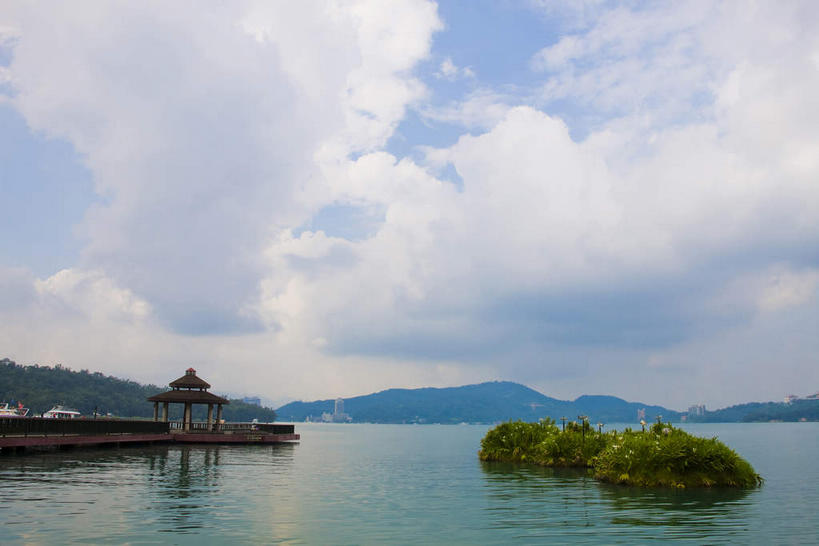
(41, 387)
(762, 411)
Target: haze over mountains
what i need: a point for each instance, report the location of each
(482, 403)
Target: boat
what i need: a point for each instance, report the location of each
(13, 411)
(61, 412)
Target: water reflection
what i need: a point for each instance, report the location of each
(377, 484)
(182, 480)
(545, 502)
(114, 492)
(688, 513)
(539, 502)
(190, 482)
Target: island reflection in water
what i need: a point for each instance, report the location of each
(549, 502)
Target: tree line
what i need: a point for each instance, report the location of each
(40, 388)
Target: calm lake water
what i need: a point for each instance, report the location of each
(372, 484)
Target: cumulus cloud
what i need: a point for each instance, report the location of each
(93, 295)
(625, 240)
(680, 221)
(204, 129)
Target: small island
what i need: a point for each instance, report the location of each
(658, 456)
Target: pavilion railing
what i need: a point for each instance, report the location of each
(37, 426)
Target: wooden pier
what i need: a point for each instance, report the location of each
(20, 433)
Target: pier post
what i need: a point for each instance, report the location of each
(210, 417)
(164, 412)
(218, 416)
(186, 419)
(156, 411)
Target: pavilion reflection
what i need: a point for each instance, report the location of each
(191, 482)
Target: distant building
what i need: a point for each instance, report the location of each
(641, 414)
(814, 396)
(338, 412)
(697, 410)
(789, 398)
(338, 415)
(254, 400)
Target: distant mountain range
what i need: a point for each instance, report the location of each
(40, 387)
(482, 403)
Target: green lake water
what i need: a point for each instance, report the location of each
(398, 484)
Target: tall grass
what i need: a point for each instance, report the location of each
(543, 443)
(659, 456)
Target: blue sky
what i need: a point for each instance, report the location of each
(585, 197)
(46, 191)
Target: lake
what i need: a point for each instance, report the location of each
(404, 484)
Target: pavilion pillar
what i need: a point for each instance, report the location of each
(164, 412)
(186, 418)
(218, 416)
(156, 411)
(210, 417)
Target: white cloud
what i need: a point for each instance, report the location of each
(449, 71)
(620, 239)
(203, 128)
(481, 109)
(688, 210)
(92, 294)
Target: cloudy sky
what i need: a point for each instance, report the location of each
(315, 199)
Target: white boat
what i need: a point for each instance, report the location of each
(12, 411)
(61, 412)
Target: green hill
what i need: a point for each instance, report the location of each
(482, 403)
(762, 411)
(41, 387)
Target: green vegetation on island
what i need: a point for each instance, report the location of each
(41, 387)
(659, 456)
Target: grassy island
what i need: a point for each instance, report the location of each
(660, 456)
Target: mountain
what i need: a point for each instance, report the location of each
(41, 387)
(482, 403)
(610, 409)
(804, 409)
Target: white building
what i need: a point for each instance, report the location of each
(696, 410)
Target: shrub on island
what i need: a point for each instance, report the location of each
(660, 456)
(543, 443)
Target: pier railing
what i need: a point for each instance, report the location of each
(36, 426)
(270, 428)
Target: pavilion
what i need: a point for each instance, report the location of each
(189, 390)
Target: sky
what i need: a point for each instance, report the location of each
(308, 200)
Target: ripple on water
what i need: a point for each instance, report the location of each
(391, 484)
